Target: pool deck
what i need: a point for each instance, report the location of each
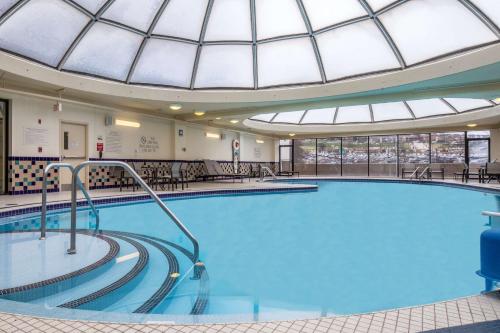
(479, 313)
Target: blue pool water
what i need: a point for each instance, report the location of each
(349, 247)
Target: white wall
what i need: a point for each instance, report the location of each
(256, 152)
(495, 144)
(28, 110)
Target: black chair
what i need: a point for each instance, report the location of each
(162, 178)
(492, 171)
(178, 174)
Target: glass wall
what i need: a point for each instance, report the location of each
(414, 151)
(384, 156)
(355, 156)
(448, 152)
(304, 152)
(329, 159)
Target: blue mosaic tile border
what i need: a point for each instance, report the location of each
(140, 198)
(471, 187)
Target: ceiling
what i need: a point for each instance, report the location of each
(242, 44)
(451, 49)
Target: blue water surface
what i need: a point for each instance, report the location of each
(349, 247)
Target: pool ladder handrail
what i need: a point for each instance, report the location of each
(152, 194)
(263, 170)
(425, 172)
(414, 173)
(43, 222)
(491, 216)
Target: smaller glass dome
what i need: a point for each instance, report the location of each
(377, 113)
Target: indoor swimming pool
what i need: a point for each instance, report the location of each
(347, 247)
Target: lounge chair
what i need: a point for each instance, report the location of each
(492, 171)
(431, 172)
(466, 174)
(288, 173)
(410, 170)
(178, 174)
(214, 171)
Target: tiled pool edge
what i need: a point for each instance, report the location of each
(469, 311)
(30, 209)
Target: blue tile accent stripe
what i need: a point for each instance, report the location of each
(138, 198)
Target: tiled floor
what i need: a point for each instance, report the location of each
(472, 314)
(479, 313)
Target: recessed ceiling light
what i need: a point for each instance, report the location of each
(234, 121)
(199, 113)
(291, 134)
(218, 118)
(471, 125)
(175, 107)
(259, 141)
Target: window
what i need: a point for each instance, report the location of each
(355, 156)
(414, 149)
(448, 151)
(304, 152)
(329, 157)
(384, 156)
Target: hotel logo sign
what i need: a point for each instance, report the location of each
(148, 144)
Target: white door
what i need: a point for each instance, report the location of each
(73, 150)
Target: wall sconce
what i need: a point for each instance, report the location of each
(212, 135)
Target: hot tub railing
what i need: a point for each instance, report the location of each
(138, 179)
(43, 222)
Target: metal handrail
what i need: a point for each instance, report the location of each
(424, 172)
(43, 222)
(492, 216)
(154, 196)
(414, 173)
(263, 169)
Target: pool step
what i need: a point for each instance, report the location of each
(99, 299)
(147, 275)
(126, 259)
(39, 289)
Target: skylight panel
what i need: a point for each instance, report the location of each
(390, 111)
(278, 18)
(465, 104)
(92, 6)
(136, 14)
(319, 116)
(379, 4)
(264, 117)
(425, 29)
(490, 8)
(429, 107)
(290, 61)
(292, 117)
(355, 49)
(182, 18)
(42, 30)
(225, 66)
(105, 51)
(165, 62)
(353, 114)
(5, 5)
(229, 20)
(324, 13)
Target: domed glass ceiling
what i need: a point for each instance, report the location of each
(375, 113)
(244, 44)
